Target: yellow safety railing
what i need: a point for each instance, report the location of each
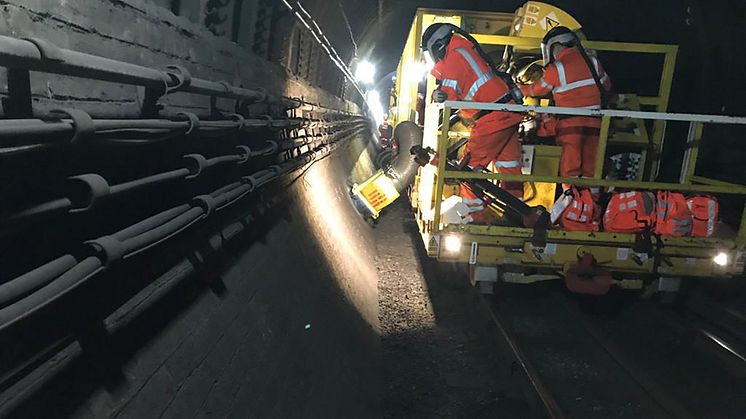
(659, 102)
(688, 182)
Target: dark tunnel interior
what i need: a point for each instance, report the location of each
(178, 237)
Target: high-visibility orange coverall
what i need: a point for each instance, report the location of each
(464, 75)
(571, 84)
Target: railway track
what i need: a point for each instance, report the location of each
(635, 359)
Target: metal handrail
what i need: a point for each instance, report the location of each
(696, 122)
(613, 113)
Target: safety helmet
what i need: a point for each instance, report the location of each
(435, 39)
(557, 36)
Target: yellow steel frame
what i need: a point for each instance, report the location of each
(689, 182)
(685, 256)
(659, 103)
(512, 246)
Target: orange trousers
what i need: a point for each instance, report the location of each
(490, 144)
(579, 140)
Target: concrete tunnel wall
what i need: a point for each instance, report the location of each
(286, 325)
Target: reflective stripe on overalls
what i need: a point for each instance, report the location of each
(482, 79)
(566, 87)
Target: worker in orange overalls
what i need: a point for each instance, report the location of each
(464, 72)
(574, 80)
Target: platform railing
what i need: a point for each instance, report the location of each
(688, 181)
(658, 102)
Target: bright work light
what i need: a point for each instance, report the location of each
(721, 259)
(452, 244)
(365, 72)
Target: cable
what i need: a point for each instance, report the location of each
(55, 289)
(34, 290)
(322, 40)
(93, 187)
(33, 280)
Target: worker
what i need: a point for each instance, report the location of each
(385, 131)
(464, 72)
(575, 80)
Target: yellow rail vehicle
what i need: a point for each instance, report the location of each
(638, 124)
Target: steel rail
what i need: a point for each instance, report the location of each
(726, 338)
(548, 402)
(639, 375)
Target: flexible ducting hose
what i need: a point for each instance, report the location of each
(402, 167)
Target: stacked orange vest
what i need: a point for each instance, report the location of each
(667, 214)
(673, 217)
(704, 211)
(630, 212)
(576, 211)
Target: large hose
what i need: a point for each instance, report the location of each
(402, 167)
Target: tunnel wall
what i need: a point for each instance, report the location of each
(270, 311)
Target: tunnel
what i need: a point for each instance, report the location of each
(203, 214)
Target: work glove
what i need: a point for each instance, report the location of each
(423, 156)
(439, 96)
(527, 127)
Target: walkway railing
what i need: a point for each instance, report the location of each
(688, 182)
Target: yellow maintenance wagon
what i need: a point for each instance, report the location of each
(637, 124)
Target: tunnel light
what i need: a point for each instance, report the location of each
(452, 244)
(418, 71)
(365, 72)
(373, 99)
(721, 259)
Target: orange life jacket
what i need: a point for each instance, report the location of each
(630, 212)
(704, 211)
(673, 217)
(576, 211)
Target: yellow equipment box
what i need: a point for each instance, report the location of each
(376, 193)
